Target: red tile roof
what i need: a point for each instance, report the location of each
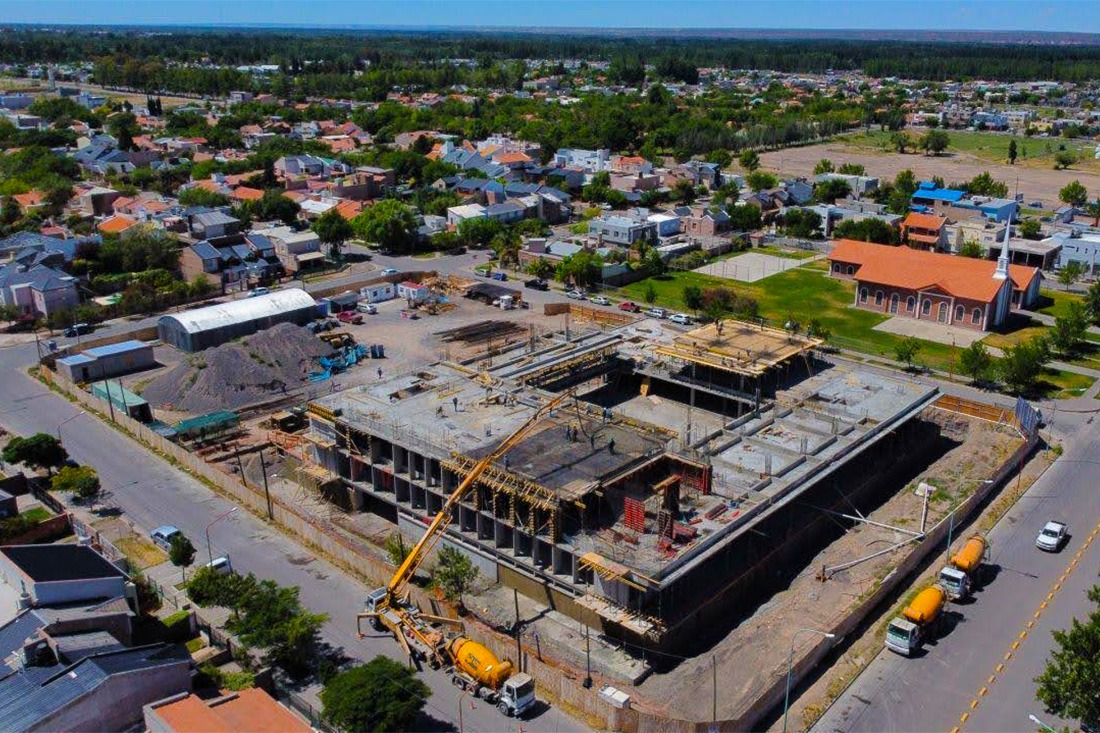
(244, 193)
(910, 269)
(924, 221)
(116, 224)
(250, 710)
(34, 198)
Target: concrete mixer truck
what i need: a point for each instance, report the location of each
(907, 633)
(478, 670)
(957, 578)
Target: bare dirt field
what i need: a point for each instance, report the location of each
(1036, 184)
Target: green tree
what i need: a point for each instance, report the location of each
(379, 696)
(124, 127)
(900, 141)
(81, 481)
(333, 229)
(1093, 209)
(934, 142)
(649, 293)
(828, 191)
(1070, 273)
(396, 548)
(1023, 364)
(506, 245)
(692, 295)
(654, 263)
(181, 553)
(583, 269)
(823, 166)
(40, 450)
(759, 180)
(801, 223)
(389, 224)
(817, 329)
(1012, 152)
(720, 157)
(683, 192)
(454, 573)
(273, 205)
(971, 248)
(906, 182)
(541, 268)
(1063, 159)
(1068, 332)
(976, 362)
(907, 349)
(852, 169)
(479, 232)
(1092, 301)
(1069, 684)
(749, 160)
(984, 184)
(867, 230)
(199, 196)
(1030, 228)
(1073, 193)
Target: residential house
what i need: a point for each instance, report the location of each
(589, 161)
(508, 212)
(212, 224)
(39, 290)
(860, 185)
(707, 222)
(630, 164)
(925, 231)
(96, 200)
(621, 230)
(458, 214)
(961, 291)
(667, 222)
(250, 710)
(697, 173)
(988, 234)
(637, 181)
(298, 251)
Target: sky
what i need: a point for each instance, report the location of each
(1082, 16)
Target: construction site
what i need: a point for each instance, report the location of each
(656, 501)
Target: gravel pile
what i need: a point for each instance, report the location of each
(236, 374)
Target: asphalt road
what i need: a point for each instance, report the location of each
(979, 675)
(151, 492)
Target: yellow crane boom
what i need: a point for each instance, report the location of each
(435, 530)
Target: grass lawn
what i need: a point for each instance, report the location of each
(1060, 385)
(425, 255)
(141, 552)
(791, 254)
(37, 514)
(992, 147)
(1012, 338)
(802, 294)
(1056, 302)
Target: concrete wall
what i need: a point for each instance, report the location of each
(66, 591)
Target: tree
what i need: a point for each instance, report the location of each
(396, 548)
(124, 127)
(934, 142)
(984, 184)
(381, 695)
(719, 157)
(749, 160)
(479, 232)
(654, 263)
(649, 293)
(759, 180)
(199, 196)
(801, 222)
(1069, 329)
(867, 230)
(274, 205)
(976, 362)
(1030, 228)
(899, 141)
(1068, 685)
(852, 169)
(906, 182)
(454, 573)
(907, 349)
(541, 268)
(692, 295)
(1012, 152)
(1073, 193)
(181, 553)
(389, 224)
(81, 481)
(683, 191)
(506, 246)
(333, 229)
(1093, 210)
(1092, 301)
(1070, 273)
(823, 166)
(828, 191)
(1063, 159)
(40, 450)
(971, 248)
(1023, 363)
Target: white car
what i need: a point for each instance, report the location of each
(682, 318)
(574, 294)
(163, 535)
(1051, 536)
(599, 300)
(389, 271)
(220, 565)
(656, 313)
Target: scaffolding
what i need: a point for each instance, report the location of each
(517, 489)
(738, 347)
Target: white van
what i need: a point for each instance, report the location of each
(220, 565)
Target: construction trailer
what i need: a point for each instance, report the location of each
(657, 499)
(123, 400)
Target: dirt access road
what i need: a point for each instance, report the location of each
(1035, 183)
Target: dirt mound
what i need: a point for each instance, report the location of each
(240, 373)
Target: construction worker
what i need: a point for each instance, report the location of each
(454, 401)
(379, 372)
(611, 446)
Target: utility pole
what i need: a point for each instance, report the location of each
(519, 649)
(267, 493)
(714, 679)
(237, 453)
(587, 660)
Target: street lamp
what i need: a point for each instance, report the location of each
(215, 520)
(1040, 723)
(790, 665)
(67, 420)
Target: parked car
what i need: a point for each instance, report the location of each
(599, 300)
(575, 294)
(1051, 536)
(656, 313)
(389, 271)
(367, 308)
(536, 284)
(483, 271)
(78, 329)
(681, 318)
(162, 536)
(629, 306)
(349, 317)
(258, 291)
(220, 565)
(499, 275)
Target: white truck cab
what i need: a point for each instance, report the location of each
(517, 695)
(955, 583)
(903, 636)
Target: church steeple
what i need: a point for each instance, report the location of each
(1002, 262)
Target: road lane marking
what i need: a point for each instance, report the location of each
(999, 668)
(1031, 624)
(981, 692)
(1008, 655)
(974, 703)
(963, 717)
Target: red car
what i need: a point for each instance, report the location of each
(349, 317)
(629, 306)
